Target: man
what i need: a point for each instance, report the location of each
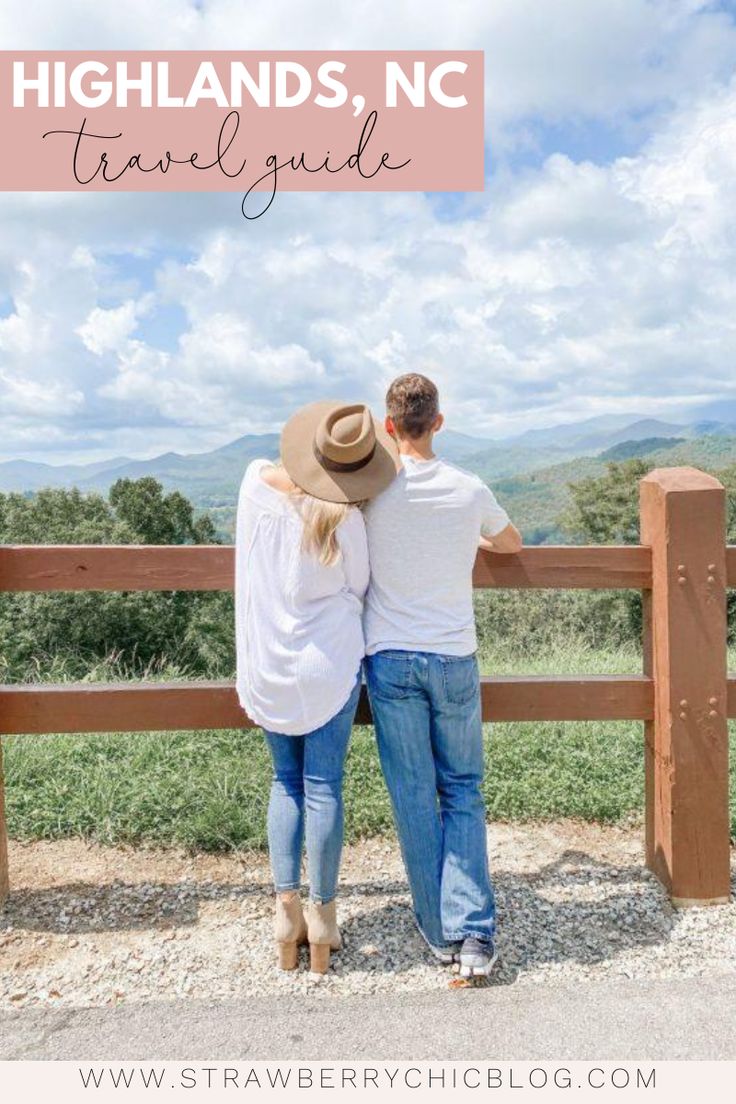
(423, 535)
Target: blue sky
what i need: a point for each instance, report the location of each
(594, 275)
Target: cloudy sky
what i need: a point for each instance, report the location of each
(595, 274)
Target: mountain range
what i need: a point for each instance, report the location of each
(518, 467)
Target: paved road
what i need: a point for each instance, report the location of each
(686, 1018)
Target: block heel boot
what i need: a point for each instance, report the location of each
(323, 934)
(290, 929)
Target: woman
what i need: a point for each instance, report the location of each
(301, 574)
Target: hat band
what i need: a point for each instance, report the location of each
(337, 466)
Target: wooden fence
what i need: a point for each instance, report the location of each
(684, 695)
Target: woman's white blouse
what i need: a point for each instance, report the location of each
(299, 636)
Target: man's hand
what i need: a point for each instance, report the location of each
(508, 540)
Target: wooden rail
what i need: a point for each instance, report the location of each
(211, 567)
(172, 706)
(683, 697)
(162, 706)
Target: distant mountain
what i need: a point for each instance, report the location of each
(712, 429)
(604, 430)
(641, 430)
(201, 475)
(207, 478)
(530, 471)
(567, 433)
(595, 434)
(455, 446)
(626, 450)
(25, 475)
(501, 460)
(536, 500)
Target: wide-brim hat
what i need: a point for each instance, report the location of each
(338, 452)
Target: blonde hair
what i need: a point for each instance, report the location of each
(321, 521)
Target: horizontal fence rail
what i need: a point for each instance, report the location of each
(161, 706)
(171, 706)
(211, 567)
(116, 567)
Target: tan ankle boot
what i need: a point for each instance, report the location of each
(290, 928)
(323, 934)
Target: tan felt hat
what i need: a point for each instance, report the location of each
(338, 452)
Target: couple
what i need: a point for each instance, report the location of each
(358, 549)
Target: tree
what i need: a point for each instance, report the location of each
(158, 518)
(130, 632)
(57, 516)
(605, 510)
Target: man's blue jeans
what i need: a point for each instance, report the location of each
(426, 709)
(306, 800)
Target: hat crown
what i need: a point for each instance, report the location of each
(338, 452)
(346, 435)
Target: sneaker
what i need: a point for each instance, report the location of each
(476, 958)
(446, 956)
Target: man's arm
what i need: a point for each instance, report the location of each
(498, 534)
(508, 540)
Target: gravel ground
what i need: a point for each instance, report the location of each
(90, 926)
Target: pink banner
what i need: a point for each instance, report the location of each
(249, 122)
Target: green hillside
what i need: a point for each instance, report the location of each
(628, 450)
(531, 477)
(536, 500)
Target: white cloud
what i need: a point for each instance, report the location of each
(222, 371)
(580, 289)
(24, 393)
(108, 330)
(18, 335)
(33, 399)
(568, 289)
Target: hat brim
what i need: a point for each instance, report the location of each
(305, 469)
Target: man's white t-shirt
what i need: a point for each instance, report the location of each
(423, 535)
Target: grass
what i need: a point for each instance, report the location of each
(209, 789)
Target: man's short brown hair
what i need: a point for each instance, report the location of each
(412, 404)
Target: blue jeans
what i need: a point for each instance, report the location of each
(426, 709)
(306, 800)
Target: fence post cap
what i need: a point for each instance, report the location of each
(683, 479)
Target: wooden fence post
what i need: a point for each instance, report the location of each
(687, 818)
(4, 879)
